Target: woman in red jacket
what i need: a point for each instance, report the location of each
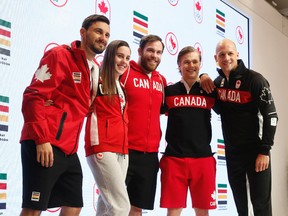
(106, 142)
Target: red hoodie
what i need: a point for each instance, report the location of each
(145, 97)
(63, 76)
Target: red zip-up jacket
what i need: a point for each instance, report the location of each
(108, 131)
(145, 97)
(63, 76)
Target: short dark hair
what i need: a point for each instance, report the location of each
(94, 18)
(149, 38)
(185, 50)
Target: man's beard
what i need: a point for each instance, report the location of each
(95, 46)
(97, 50)
(146, 66)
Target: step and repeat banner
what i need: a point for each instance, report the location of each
(29, 28)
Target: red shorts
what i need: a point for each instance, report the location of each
(179, 174)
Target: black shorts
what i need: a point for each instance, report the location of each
(141, 178)
(56, 186)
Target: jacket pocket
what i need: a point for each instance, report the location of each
(107, 125)
(61, 126)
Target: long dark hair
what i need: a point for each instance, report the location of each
(107, 70)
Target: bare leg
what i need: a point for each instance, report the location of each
(69, 211)
(201, 212)
(135, 211)
(30, 212)
(174, 211)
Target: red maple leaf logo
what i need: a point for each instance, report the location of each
(97, 191)
(240, 34)
(172, 42)
(199, 50)
(198, 6)
(102, 7)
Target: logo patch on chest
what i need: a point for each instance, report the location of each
(77, 77)
(238, 84)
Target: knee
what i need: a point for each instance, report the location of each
(30, 212)
(124, 212)
(124, 209)
(70, 211)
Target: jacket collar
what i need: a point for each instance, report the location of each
(240, 70)
(134, 65)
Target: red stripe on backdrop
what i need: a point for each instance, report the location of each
(4, 108)
(3, 186)
(221, 146)
(140, 22)
(220, 18)
(5, 33)
(222, 191)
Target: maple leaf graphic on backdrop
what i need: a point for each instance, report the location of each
(103, 7)
(42, 73)
(199, 50)
(172, 42)
(198, 6)
(240, 34)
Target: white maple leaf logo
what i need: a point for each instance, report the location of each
(42, 73)
(266, 95)
(213, 195)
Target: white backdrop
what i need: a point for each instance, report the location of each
(28, 28)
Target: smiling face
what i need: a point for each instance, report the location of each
(95, 38)
(150, 56)
(189, 66)
(226, 56)
(122, 58)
